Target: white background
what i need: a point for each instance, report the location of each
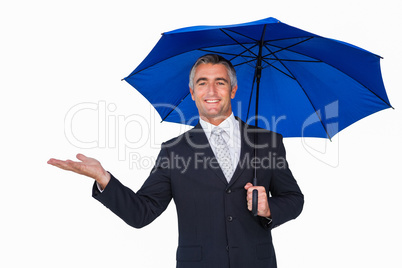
(56, 55)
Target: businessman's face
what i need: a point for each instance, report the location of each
(212, 92)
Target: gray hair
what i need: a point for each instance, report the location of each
(214, 59)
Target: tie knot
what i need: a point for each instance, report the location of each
(217, 131)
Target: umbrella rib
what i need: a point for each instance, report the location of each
(279, 70)
(318, 60)
(253, 58)
(245, 56)
(244, 62)
(249, 101)
(305, 93)
(285, 48)
(277, 59)
(163, 119)
(231, 37)
(235, 55)
(316, 36)
(226, 53)
(271, 53)
(201, 49)
(238, 42)
(255, 40)
(247, 49)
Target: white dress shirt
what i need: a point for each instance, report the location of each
(231, 135)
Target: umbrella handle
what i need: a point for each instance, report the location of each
(255, 203)
(255, 199)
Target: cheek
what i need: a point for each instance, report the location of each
(196, 97)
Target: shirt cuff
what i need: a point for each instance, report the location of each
(99, 187)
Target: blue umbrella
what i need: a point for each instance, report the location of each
(290, 81)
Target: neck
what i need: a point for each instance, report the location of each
(214, 120)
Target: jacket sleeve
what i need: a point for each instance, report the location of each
(286, 199)
(141, 208)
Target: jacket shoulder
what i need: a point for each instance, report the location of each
(178, 140)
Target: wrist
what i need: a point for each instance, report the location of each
(103, 180)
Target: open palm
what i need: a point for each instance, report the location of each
(87, 166)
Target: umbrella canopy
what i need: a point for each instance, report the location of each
(298, 83)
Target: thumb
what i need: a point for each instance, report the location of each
(81, 157)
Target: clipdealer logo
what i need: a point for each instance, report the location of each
(112, 129)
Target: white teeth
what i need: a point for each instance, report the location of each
(212, 101)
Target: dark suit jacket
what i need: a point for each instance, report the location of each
(215, 227)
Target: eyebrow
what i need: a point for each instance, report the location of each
(217, 79)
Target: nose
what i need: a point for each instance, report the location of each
(212, 89)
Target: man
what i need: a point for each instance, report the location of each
(212, 192)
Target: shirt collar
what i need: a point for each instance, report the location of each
(229, 125)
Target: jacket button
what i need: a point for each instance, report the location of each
(229, 191)
(227, 248)
(230, 218)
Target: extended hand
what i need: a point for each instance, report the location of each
(263, 207)
(86, 166)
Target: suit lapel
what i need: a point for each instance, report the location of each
(246, 151)
(198, 142)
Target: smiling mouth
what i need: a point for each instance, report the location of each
(211, 101)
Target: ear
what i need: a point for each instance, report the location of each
(192, 93)
(233, 92)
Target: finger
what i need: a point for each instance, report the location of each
(59, 163)
(248, 185)
(260, 189)
(251, 189)
(55, 162)
(249, 205)
(262, 195)
(51, 161)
